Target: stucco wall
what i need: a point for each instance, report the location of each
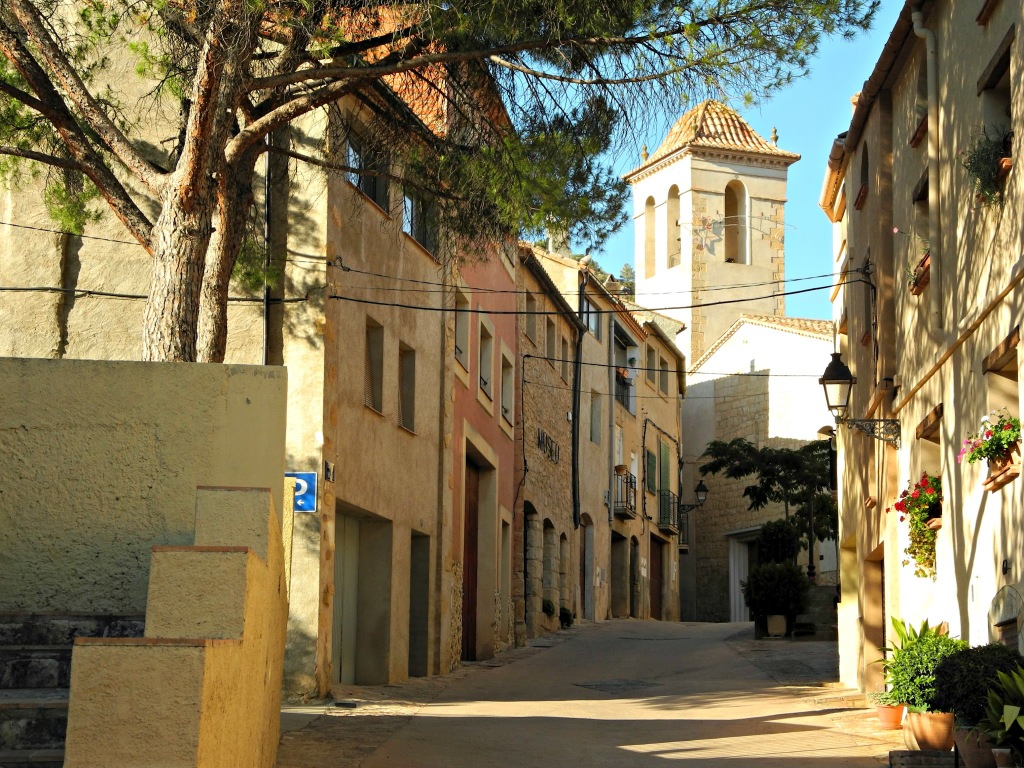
(734, 394)
(975, 288)
(99, 461)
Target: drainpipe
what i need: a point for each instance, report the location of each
(611, 416)
(577, 366)
(934, 218)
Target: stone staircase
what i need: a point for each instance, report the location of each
(35, 670)
(819, 620)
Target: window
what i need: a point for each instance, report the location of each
(550, 350)
(531, 316)
(595, 417)
(649, 238)
(672, 227)
(565, 359)
(1001, 375)
(651, 472)
(994, 88)
(663, 384)
(407, 387)
(373, 371)
(652, 364)
(507, 389)
(486, 360)
(665, 474)
(592, 318)
(865, 171)
(419, 220)
(736, 219)
(369, 168)
(462, 319)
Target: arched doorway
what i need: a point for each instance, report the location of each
(587, 567)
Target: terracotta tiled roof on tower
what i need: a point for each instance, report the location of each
(713, 125)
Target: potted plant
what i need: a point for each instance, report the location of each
(890, 711)
(982, 159)
(918, 271)
(888, 704)
(1003, 720)
(776, 589)
(920, 506)
(962, 681)
(778, 542)
(998, 442)
(910, 674)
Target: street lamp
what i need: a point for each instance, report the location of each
(701, 492)
(838, 382)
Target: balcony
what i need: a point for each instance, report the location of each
(668, 511)
(624, 390)
(624, 504)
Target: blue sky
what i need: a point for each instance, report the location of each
(808, 116)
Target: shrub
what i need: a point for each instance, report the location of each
(565, 617)
(778, 542)
(910, 672)
(548, 607)
(776, 588)
(1003, 720)
(962, 680)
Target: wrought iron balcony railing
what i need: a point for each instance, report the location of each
(624, 504)
(668, 511)
(624, 391)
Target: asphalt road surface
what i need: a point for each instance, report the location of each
(618, 693)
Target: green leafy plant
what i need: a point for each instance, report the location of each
(995, 436)
(548, 607)
(962, 680)
(778, 542)
(776, 589)
(1003, 719)
(884, 699)
(981, 161)
(917, 505)
(565, 617)
(910, 672)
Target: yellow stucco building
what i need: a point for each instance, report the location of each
(928, 303)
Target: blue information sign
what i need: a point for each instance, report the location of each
(305, 491)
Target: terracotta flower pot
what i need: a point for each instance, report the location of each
(932, 730)
(1003, 470)
(974, 746)
(890, 715)
(1002, 757)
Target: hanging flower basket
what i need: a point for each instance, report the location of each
(920, 506)
(921, 275)
(1004, 469)
(997, 441)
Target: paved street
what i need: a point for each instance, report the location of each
(618, 693)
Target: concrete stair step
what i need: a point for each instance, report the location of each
(33, 718)
(35, 666)
(32, 758)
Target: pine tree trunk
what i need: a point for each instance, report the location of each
(234, 202)
(180, 239)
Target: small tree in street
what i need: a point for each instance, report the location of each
(797, 478)
(514, 104)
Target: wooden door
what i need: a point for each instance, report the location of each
(471, 528)
(655, 578)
